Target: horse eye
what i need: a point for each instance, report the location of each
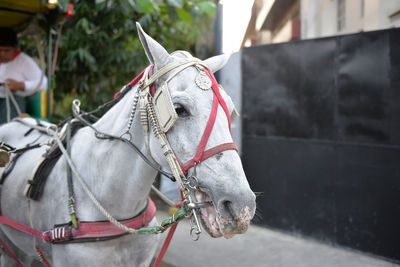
(180, 110)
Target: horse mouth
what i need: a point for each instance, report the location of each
(210, 218)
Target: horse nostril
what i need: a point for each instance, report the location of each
(227, 204)
(228, 209)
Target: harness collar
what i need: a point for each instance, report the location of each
(87, 231)
(100, 230)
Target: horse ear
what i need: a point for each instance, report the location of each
(216, 63)
(156, 54)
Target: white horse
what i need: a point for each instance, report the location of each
(121, 180)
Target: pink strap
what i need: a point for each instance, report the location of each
(42, 256)
(207, 154)
(165, 246)
(221, 100)
(10, 253)
(200, 154)
(217, 149)
(90, 230)
(131, 83)
(204, 139)
(21, 227)
(171, 232)
(87, 229)
(136, 79)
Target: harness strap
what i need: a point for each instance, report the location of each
(97, 231)
(87, 231)
(202, 154)
(42, 256)
(11, 253)
(170, 234)
(207, 154)
(165, 246)
(221, 100)
(131, 83)
(167, 68)
(207, 132)
(21, 227)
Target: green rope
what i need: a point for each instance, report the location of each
(71, 203)
(165, 224)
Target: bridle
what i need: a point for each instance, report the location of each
(153, 102)
(150, 115)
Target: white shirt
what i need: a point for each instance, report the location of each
(22, 69)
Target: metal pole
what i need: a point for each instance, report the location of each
(218, 29)
(49, 76)
(218, 32)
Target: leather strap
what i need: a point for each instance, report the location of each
(11, 253)
(167, 68)
(98, 231)
(165, 246)
(87, 231)
(201, 154)
(21, 227)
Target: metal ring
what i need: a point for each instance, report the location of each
(76, 105)
(192, 182)
(51, 128)
(76, 102)
(129, 135)
(194, 235)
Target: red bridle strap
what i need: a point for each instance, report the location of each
(21, 227)
(11, 253)
(206, 135)
(202, 154)
(221, 100)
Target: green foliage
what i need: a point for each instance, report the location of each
(100, 51)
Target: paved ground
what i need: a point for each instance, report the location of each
(259, 247)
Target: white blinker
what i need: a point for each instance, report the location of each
(164, 108)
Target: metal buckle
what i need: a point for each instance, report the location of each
(58, 234)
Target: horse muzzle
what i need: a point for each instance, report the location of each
(224, 217)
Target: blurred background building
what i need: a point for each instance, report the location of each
(276, 21)
(317, 85)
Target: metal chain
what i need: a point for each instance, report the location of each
(102, 135)
(97, 204)
(165, 224)
(131, 117)
(187, 186)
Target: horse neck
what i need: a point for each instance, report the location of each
(117, 175)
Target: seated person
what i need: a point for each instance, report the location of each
(18, 72)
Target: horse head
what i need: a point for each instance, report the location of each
(220, 178)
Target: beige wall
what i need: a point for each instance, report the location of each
(284, 34)
(319, 17)
(387, 13)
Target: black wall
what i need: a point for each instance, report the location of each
(321, 138)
